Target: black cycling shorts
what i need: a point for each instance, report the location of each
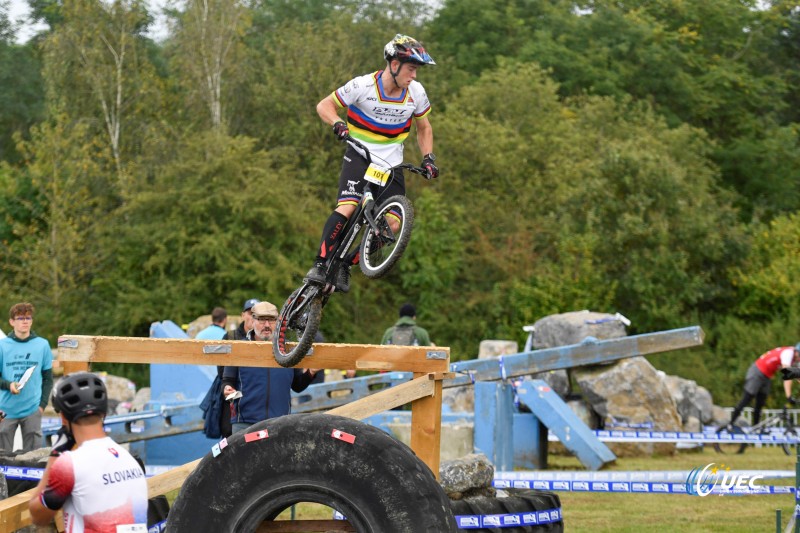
(352, 182)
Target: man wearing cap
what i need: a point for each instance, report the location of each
(266, 392)
(406, 331)
(240, 333)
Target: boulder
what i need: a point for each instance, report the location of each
(197, 325)
(459, 399)
(630, 391)
(142, 397)
(690, 399)
(492, 348)
(470, 475)
(119, 389)
(584, 411)
(571, 328)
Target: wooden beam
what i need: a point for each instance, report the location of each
(170, 480)
(98, 349)
(306, 526)
(387, 399)
(586, 353)
(14, 512)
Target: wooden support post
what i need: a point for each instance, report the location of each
(426, 427)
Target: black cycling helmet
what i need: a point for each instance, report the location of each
(79, 395)
(407, 50)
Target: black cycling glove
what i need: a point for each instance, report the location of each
(341, 130)
(792, 372)
(431, 169)
(65, 441)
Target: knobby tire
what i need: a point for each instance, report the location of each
(297, 323)
(373, 479)
(379, 253)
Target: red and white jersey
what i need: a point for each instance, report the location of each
(102, 488)
(770, 362)
(380, 122)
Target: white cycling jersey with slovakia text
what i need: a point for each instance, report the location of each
(102, 487)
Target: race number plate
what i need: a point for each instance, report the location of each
(377, 175)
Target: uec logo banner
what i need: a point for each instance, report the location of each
(702, 482)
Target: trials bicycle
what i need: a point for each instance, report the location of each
(768, 426)
(379, 250)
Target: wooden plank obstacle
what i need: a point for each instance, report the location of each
(429, 365)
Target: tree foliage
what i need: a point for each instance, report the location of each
(633, 156)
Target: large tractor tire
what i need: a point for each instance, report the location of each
(511, 506)
(376, 482)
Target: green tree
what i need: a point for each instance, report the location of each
(22, 94)
(208, 45)
(768, 282)
(52, 253)
(98, 49)
(215, 226)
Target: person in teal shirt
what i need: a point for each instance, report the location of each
(24, 401)
(216, 331)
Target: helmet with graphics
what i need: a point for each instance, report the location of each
(79, 395)
(407, 50)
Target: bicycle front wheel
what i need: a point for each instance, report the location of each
(297, 325)
(380, 251)
(733, 446)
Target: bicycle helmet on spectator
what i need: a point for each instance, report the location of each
(79, 395)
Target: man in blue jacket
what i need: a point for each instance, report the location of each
(26, 379)
(266, 392)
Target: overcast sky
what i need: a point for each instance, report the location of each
(19, 12)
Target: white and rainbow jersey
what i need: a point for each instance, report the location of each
(101, 487)
(380, 122)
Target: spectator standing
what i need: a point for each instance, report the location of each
(406, 331)
(240, 333)
(24, 398)
(214, 400)
(99, 485)
(216, 331)
(266, 392)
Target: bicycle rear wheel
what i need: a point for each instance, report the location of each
(297, 325)
(790, 433)
(380, 252)
(733, 446)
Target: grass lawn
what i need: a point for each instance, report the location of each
(621, 512)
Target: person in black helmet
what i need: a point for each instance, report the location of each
(98, 484)
(381, 107)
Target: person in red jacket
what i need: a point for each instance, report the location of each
(758, 380)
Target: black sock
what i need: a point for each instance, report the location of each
(331, 233)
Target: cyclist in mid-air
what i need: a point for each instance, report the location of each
(380, 109)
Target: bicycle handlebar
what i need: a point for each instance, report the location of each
(364, 152)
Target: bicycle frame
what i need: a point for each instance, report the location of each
(363, 216)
